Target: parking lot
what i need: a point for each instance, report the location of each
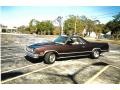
(16, 68)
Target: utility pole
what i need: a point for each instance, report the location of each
(75, 24)
(59, 19)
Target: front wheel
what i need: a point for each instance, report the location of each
(49, 58)
(95, 54)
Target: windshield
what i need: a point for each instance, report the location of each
(61, 39)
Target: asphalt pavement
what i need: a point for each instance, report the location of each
(18, 69)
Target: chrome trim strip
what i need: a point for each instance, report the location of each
(104, 50)
(71, 52)
(74, 56)
(75, 52)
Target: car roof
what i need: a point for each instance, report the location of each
(73, 36)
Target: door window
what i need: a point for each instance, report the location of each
(75, 41)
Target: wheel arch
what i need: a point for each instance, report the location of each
(53, 51)
(96, 49)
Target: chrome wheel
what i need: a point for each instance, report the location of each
(96, 53)
(52, 57)
(49, 58)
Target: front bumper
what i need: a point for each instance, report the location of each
(33, 55)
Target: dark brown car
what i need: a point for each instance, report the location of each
(65, 47)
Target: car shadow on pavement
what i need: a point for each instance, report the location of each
(72, 76)
(32, 60)
(100, 64)
(8, 75)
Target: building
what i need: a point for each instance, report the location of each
(7, 29)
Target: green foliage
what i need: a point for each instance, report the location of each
(45, 26)
(33, 25)
(69, 24)
(114, 26)
(81, 23)
(24, 29)
(74, 24)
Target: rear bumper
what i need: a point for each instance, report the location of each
(33, 55)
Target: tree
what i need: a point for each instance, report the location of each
(24, 29)
(33, 25)
(74, 24)
(45, 27)
(69, 25)
(56, 30)
(114, 26)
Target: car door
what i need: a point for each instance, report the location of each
(79, 47)
(65, 49)
(74, 48)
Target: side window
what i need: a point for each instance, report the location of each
(81, 41)
(75, 41)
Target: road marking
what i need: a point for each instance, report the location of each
(34, 65)
(114, 51)
(20, 68)
(13, 57)
(28, 73)
(111, 64)
(6, 55)
(96, 75)
(36, 70)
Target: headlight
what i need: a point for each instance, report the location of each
(30, 49)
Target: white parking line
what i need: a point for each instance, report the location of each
(6, 55)
(28, 73)
(113, 51)
(96, 75)
(20, 68)
(14, 57)
(63, 63)
(38, 64)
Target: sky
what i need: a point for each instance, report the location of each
(21, 15)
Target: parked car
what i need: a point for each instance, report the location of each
(65, 47)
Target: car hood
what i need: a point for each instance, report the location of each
(38, 45)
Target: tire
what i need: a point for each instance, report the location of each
(95, 54)
(49, 58)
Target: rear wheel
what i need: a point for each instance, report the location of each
(95, 54)
(49, 58)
